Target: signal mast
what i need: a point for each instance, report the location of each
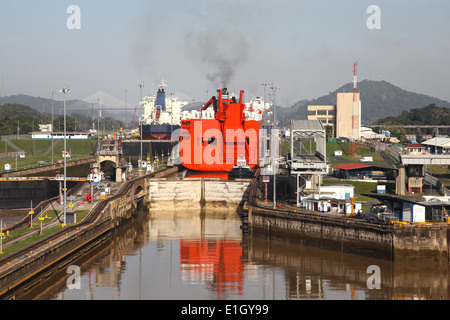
(354, 149)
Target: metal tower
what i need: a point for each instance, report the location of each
(354, 149)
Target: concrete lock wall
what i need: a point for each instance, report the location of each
(225, 193)
(353, 236)
(195, 194)
(424, 240)
(176, 194)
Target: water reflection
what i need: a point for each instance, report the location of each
(203, 255)
(217, 264)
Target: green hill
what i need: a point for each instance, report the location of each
(379, 99)
(429, 115)
(17, 118)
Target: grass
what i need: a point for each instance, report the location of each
(331, 147)
(28, 241)
(363, 187)
(81, 214)
(345, 147)
(35, 151)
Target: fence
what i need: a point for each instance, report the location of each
(438, 184)
(18, 152)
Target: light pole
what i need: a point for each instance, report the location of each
(265, 84)
(126, 107)
(53, 130)
(64, 91)
(274, 148)
(141, 85)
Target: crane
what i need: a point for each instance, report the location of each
(134, 117)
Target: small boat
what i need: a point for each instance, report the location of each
(241, 169)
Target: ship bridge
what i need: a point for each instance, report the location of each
(306, 167)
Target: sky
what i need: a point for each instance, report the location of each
(306, 49)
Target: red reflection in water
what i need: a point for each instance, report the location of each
(217, 263)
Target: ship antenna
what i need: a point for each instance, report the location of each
(163, 84)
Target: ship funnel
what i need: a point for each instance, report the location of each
(161, 99)
(225, 93)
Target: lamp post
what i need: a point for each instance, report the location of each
(53, 129)
(265, 84)
(274, 148)
(141, 85)
(64, 91)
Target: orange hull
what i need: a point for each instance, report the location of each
(215, 144)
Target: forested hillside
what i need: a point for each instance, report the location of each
(20, 119)
(428, 115)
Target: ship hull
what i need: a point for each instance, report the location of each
(158, 131)
(206, 146)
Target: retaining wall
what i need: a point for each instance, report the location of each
(350, 235)
(197, 193)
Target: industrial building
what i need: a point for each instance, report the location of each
(339, 117)
(438, 145)
(404, 209)
(359, 171)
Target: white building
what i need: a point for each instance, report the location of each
(367, 133)
(333, 198)
(46, 127)
(60, 135)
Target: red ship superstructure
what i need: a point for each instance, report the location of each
(215, 141)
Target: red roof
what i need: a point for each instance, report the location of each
(414, 145)
(351, 166)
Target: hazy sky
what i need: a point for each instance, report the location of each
(306, 48)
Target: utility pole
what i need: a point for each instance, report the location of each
(126, 107)
(141, 86)
(274, 147)
(53, 129)
(64, 91)
(2, 87)
(265, 84)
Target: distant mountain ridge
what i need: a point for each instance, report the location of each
(83, 107)
(379, 99)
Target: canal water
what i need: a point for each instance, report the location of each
(205, 256)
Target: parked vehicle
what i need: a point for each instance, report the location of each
(381, 214)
